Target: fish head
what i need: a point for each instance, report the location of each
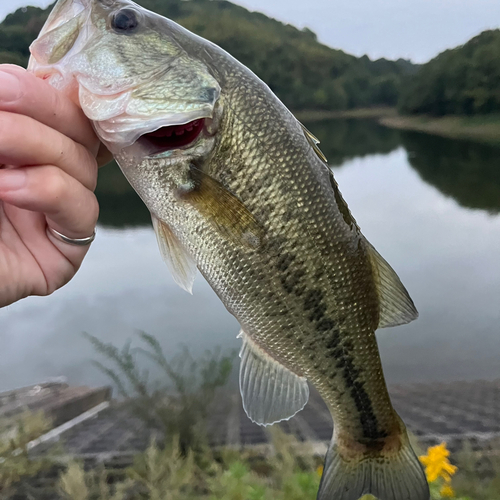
(136, 75)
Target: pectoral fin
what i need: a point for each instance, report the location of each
(222, 209)
(180, 263)
(270, 392)
(396, 306)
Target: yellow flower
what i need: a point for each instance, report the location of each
(437, 464)
(447, 491)
(319, 471)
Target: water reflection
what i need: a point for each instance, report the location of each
(468, 172)
(445, 254)
(342, 140)
(119, 204)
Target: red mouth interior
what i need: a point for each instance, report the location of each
(175, 136)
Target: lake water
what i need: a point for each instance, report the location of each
(429, 205)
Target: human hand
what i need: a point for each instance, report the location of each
(48, 173)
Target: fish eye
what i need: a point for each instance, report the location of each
(125, 21)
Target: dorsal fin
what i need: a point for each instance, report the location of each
(314, 142)
(396, 306)
(270, 392)
(342, 205)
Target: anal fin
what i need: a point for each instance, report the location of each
(270, 391)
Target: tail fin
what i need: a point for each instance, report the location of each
(387, 477)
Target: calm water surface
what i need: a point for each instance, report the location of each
(430, 205)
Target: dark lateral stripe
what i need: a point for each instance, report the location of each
(290, 278)
(362, 401)
(315, 306)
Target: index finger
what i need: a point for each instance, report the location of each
(23, 93)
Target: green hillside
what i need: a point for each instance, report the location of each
(461, 81)
(302, 72)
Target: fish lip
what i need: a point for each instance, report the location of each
(63, 13)
(182, 120)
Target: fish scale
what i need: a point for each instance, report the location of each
(248, 200)
(258, 168)
(321, 366)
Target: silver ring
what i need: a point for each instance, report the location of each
(81, 242)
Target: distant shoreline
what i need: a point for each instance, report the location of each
(481, 128)
(317, 116)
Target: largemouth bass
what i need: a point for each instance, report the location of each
(240, 190)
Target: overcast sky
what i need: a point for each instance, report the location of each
(413, 29)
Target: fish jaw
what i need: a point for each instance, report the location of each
(125, 94)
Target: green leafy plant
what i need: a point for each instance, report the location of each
(16, 465)
(295, 475)
(238, 482)
(478, 476)
(288, 473)
(75, 483)
(164, 473)
(180, 403)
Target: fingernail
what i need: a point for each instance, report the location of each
(10, 180)
(10, 87)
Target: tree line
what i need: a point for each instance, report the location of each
(304, 73)
(308, 75)
(460, 81)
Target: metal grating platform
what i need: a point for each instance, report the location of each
(433, 412)
(57, 400)
(451, 412)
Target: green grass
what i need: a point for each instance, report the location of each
(169, 474)
(243, 475)
(180, 465)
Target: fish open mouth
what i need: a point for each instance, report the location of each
(175, 136)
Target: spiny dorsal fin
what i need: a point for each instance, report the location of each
(314, 141)
(342, 205)
(396, 306)
(270, 392)
(222, 208)
(180, 263)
